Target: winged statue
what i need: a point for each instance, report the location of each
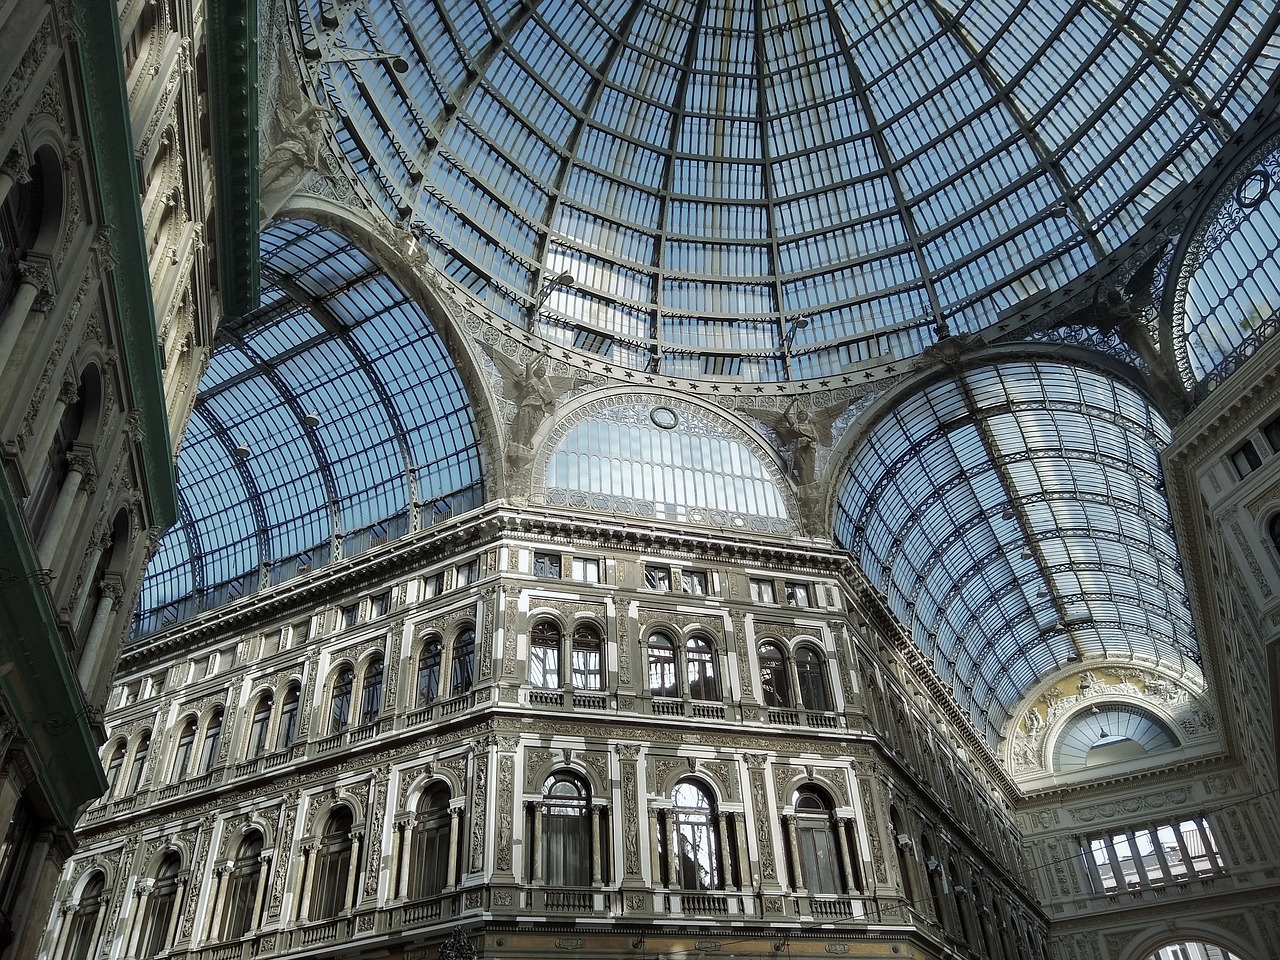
(802, 431)
(298, 131)
(533, 388)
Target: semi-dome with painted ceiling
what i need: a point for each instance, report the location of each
(776, 190)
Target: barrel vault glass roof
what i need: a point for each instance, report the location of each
(776, 190)
(1015, 518)
(392, 436)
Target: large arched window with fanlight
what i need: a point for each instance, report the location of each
(817, 849)
(85, 930)
(159, 920)
(243, 898)
(566, 854)
(1109, 733)
(697, 863)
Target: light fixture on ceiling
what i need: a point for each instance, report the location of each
(311, 420)
(1008, 513)
(242, 452)
(564, 279)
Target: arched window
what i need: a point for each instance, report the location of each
(700, 663)
(114, 766)
(811, 679)
(242, 888)
(49, 483)
(288, 718)
(139, 766)
(212, 737)
(260, 725)
(818, 851)
(340, 701)
(160, 908)
(566, 831)
(186, 746)
(464, 661)
(587, 671)
(544, 655)
(371, 691)
(662, 667)
(429, 670)
(332, 867)
(697, 843)
(83, 934)
(1109, 733)
(431, 844)
(775, 685)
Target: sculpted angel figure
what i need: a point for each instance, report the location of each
(533, 389)
(299, 126)
(803, 431)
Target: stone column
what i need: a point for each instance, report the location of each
(79, 473)
(304, 891)
(174, 915)
(655, 858)
(1141, 867)
(65, 914)
(595, 844)
(793, 852)
(1183, 849)
(726, 862)
(13, 172)
(264, 871)
(451, 870)
(1091, 865)
(744, 858)
(96, 936)
(48, 420)
(95, 647)
(405, 836)
(143, 891)
(353, 871)
(536, 852)
(846, 861)
(220, 875)
(34, 293)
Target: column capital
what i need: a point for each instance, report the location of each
(36, 274)
(17, 167)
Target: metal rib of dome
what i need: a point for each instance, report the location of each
(776, 191)
(1015, 520)
(336, 338)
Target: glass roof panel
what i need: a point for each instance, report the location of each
(330, 411)
(1014, 518)
(875, 167)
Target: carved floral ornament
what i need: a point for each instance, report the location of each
(1180, 702)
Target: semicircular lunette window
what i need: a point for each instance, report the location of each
(1014, 518)
(1109, 733)
(666, 462)
(330, 420)
(1232, 299)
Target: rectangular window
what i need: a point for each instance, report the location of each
(433, 586)
(349, 614)
(695, 582)
(762, 591)
(1245, 458)
(546, 565)
(1151, 856)
(798, 594)
(300, 632)
(657, 578)
(468, 573)
(1272, 432)
(586, 569)
(379, 605)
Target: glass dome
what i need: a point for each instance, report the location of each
(776, 191)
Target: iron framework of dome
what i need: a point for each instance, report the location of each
(330, 419)
(776, 191)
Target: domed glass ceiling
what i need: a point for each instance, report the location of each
(330, 419)
(1015, 518)
(777, 190)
